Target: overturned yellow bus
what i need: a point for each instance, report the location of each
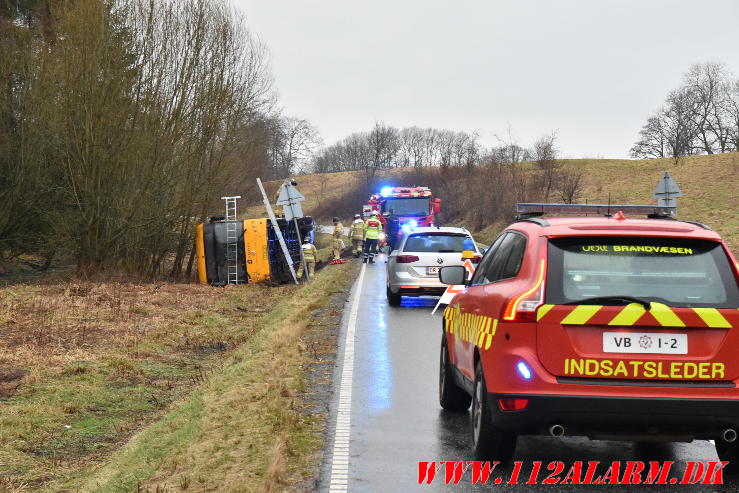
(258, 255)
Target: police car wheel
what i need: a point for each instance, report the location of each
(451, 397)
(488, 442)
(393, 299)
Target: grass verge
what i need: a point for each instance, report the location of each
(246, 428)
(202, 385)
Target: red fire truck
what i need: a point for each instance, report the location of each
(402, 208)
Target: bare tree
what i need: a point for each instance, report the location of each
(679, 124)
(732, 108)
(545, 155)
(653, 138)
(570, 185)
(292, 143)
(705, 83)
(383, 144)
(699, 117)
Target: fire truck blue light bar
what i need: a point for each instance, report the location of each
(596, 209)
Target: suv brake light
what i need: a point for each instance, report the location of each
(406, 259)
(522, 307)
(476, 259)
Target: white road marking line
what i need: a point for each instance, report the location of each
(340, 459)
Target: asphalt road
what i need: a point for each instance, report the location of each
(391, 417)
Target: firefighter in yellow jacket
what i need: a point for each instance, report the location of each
(338, 243)
(372, 230)
(310, 254)
(356, 233)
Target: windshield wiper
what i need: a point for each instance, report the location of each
(605, 299)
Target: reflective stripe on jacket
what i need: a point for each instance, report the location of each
(310, 252)
(338, 230)
(372, 229)
(357, 230)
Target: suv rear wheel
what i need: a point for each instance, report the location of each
(451, 397)
(488, 442)
(392, 299)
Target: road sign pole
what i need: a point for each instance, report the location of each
(297, 230)
(278, 232)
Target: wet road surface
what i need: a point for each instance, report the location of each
(395, 420)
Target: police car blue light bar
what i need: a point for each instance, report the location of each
(535, 209)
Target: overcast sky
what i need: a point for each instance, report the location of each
(590, 70)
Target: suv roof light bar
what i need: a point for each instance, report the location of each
(524, 210)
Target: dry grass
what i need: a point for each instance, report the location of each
(51, 326)
(85, 365)
(275, 476)
(709, 183)
(245, 422)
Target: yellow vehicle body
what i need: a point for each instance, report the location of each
(200, 254)
(255, 246)
(255, 261)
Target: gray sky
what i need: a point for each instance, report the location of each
(591, 70)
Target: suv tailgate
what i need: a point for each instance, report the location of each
(639, 308)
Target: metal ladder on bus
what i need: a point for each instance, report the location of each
(232, 240)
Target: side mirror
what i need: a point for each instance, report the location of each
(454, 274)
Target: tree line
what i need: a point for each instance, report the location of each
(122, 122)
(478, 186)
(699, 117)
(387, 147)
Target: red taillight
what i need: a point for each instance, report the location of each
(511, 404)
(406, 259)
(522, 308)
(476, 259)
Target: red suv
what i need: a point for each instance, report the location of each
(605, 327)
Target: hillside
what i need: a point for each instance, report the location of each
(709, 183)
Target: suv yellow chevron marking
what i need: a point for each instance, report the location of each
(470, 327)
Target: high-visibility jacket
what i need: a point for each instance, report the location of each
(338, 230)
(310, 252)
(356, 232)
(372, 228)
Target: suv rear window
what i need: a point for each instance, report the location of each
(676, 271)
(435, 243)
